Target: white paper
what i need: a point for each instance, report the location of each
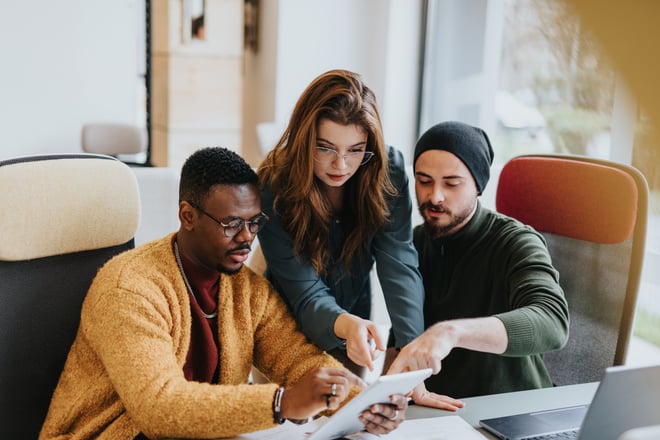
(434, 428)
(286, 431)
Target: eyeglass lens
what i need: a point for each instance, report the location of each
(324, 154)
(236, 225)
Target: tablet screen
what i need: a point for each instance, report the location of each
(345, 421)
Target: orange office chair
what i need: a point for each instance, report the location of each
(593, 214)
(63, 216)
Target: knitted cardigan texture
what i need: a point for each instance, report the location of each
(124, 371)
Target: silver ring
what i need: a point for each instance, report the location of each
(396, 415)
(333, 389)
(327, 401)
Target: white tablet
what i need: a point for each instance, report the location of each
(345, 421)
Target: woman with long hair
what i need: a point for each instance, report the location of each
(339, 202)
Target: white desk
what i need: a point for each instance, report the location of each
(496, 405)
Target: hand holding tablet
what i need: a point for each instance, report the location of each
(347, 420)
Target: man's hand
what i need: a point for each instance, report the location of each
(383, 418)
(318, 390)
(421, 396)
(431, 347)
(426, 351)
(363, 343)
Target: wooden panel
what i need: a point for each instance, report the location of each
(160, 79)
(175, 147)
(204, 93)
(224, 32)
(196, 85)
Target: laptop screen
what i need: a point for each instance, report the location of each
(626, 398)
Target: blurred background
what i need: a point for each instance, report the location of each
(567, 76)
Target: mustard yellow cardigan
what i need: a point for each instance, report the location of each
(124, 372)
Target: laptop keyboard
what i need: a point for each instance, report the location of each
(566, 435)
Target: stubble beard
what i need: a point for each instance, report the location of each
(436, 230)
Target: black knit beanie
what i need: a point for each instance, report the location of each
(470, 144)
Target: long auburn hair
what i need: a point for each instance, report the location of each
(299, 200)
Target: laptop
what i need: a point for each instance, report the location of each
(626, 398)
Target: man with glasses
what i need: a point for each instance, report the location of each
(169, 331)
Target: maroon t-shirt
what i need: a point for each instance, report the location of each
(202, 360)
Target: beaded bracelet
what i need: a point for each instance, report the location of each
(277, 405)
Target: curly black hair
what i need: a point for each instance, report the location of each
(212, 166)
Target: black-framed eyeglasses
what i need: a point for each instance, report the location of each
(235, 225)
(328, 155)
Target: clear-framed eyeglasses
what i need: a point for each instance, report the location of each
(234, 225)
(328, 155)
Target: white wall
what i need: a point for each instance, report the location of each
(300, 39)
(463, 50)
(64, 63)
(68, 62)
(317, 35)
(400, 96)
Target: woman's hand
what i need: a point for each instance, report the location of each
(363, 343)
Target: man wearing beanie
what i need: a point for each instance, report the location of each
(493, 302)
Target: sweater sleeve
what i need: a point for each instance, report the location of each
(397, 261)
(308, 296)
(124, 373)
(538, 320)
(282, 352)
(131, 335)
(136, 338)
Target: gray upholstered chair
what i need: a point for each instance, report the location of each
(113, 139)
(593, 214)
(63, 217)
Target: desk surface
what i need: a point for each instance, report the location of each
(496, 405)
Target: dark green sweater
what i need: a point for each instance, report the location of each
(494, 266)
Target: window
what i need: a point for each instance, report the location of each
(526, 72)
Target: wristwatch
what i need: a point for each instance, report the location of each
(277, 406)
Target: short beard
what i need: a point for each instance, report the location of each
(435, 231)
(226, 271)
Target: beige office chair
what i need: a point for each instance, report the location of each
(63, 217)
(593, 214)
(113, 139)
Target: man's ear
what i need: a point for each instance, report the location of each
(186, 214)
